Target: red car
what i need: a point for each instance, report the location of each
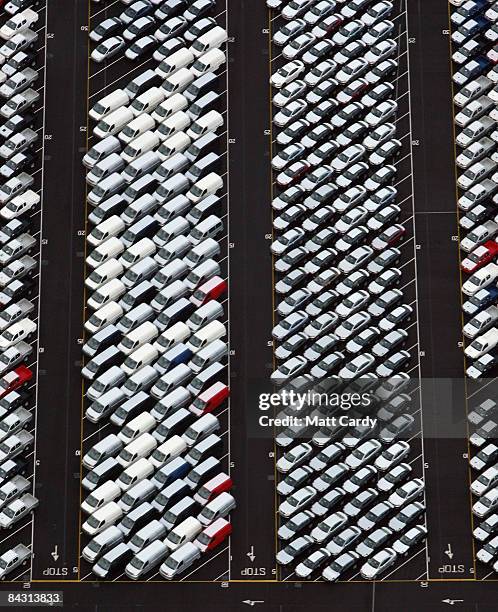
(213, 535)
(213, 487)
(480, 256)
(389, 237)
(15, 379)
(210, 399)
(210, 290)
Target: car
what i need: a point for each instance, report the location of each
(297, 299)
(317, 157)
(378, 31)
(392, 455)
(484, 457)
(319, 261)
(387, 279)
(362, 454)
(393, 477)
(351, 133)
(330, 476)
(375, 515)
(320, 325)
(476, 173)
(135, 11)
(290, 112)
(319, 72)
(290, 92)
(486, 528)
(339, 543)
(380, 134)
(348, 156)
(481, 366)
(488, 553)
(359, 366)
(293, 174)
(360, 502)
(138, 28)
(472, 69)
(316, 177)
(298, 45)
(407, 492)
(289, 239)
(377, 94)
(105, 29)
(352, 70)
(198, 28)
(390, 236)
(319, 217)
(322, 280)
(475, 130)
(360, 478)
(376, 12)
(316, 135)
(296, 548)
(320, 347)
(288, 217)
(290, 259)
(382, 71)
(296, 524)
(287, 73)
(290, 368)
(107, 49)
(288, 31)
(355, 259)
(327, 365)
(486, 431)
(406, 515)
(340, 565)
(292, 195)
(322, 91)
(352, 50)
(363, 340)
(381, 51)
(290, 325)
(348, 32)
(141, 47)
(485, 481)
(297, 501)
(318, 11)
(378, 564)
(352, 303)
(294, 457)
(287, 156)
(373, 541)
(295, 479)
(351, 219)
(351, 239)
(393, 364)
(313, 562)
(290, 346)
(347, 114)
(479, 235)
(391, 340)
(354, 7)
(175, 26)
(321, 112)
(320, 49)
(297, 129)
(482, 412)
(327, 502)
(400, 425)
(352, 282)
(296, 8)
(328, 26)
(486, 503)
(386, 151)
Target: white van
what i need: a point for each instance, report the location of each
(179, 59)
(186, 531)
(177, 82)
(138, 146)
(137, 127)
(201, 428)
(209, 122)
(171, 380)
(168, 450)
(142, 423)
(147, 101)
(142, 446)
(112, 291)
(201, 273)
(181, 559)
(143, 355)
(212, 39)
(170, 403)
(176, 123)
(207, 249)
(170, 106)
(208, 62)
(114, 122)
(102, 518)
(174, 291)
(179, 332)
(109, 103)
(106, 229)
(205, 314)
(210, 227)
(107, 492)
(104, 168)
(217, 508)
(215, 351)
(211, 332)
(177, 143)
(106, 315)
(145, 247)
(145, 164)
(207, 185)
(112, 184)
(146, 332)
(135, 473)
(103, 273)
(112, 247)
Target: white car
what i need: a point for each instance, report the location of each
(407, 492)
(298, 500)
(292, 111)
(392, 455)
(107, 49)
(378, 564)
(287, 73)
(294, 457)
(381, 51)
(288, 369)
(17, 332)
(379, 114)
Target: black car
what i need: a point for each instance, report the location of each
(293, 131)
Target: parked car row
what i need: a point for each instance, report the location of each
(156, 329)
(342, 317)
(20, 77)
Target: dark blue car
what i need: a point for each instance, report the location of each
(473, 27)
(482, 299)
